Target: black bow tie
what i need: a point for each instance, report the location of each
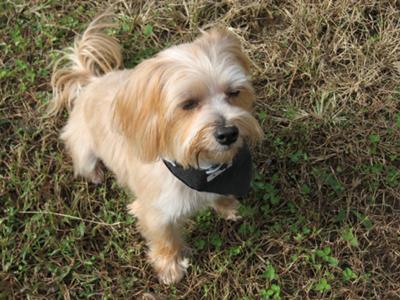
(225, 179)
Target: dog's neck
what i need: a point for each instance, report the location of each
(231, 178)
(207, 167)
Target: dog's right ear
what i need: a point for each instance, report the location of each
(138, 109)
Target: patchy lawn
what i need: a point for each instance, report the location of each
(323, 220)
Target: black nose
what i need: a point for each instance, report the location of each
(226, 135)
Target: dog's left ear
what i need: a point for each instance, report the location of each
(221, 39)
(138, 110)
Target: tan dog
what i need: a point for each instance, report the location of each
(189, 104)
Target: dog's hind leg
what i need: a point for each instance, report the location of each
(79, 144)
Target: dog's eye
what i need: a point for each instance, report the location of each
(233, 93)
(190, 104)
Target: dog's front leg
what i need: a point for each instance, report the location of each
(164, 242)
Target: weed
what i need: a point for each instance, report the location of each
(348, 236)
(322, 286)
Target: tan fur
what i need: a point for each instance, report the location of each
(227, 208)
(94, 54)
(130, 119)
(164, 242)
(141, 121)
(229, 40)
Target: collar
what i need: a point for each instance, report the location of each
(225, 179)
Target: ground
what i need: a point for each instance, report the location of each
(323, 219)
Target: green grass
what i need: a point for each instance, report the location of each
(323, 218)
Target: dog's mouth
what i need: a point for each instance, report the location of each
(218, 154)
(207, 148)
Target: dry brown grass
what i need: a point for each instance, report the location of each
(327, 75)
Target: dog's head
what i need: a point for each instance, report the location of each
(191, 103)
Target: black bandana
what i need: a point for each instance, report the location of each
(225, 179)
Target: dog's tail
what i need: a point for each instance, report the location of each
(93, 54)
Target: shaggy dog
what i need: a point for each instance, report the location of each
(187, 107)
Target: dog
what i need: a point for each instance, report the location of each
(186, 110)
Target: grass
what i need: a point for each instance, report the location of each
(323, 219)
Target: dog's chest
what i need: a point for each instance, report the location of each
(178, 200)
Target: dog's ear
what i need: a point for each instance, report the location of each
(138, 110)
(221, 39)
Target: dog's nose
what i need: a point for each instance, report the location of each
(226, 135)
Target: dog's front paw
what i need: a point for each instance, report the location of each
(171, 271)
(227, 208)
(232, 216)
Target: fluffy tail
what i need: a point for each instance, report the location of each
(93, 54)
